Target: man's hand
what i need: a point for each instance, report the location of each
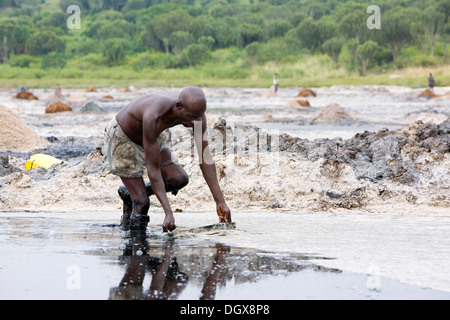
(169, 223)
(223, 212)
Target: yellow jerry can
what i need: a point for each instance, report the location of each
(41, 160)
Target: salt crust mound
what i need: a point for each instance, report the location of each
(405, 168)
(332, 112)
(15, 135)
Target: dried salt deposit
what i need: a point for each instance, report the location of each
(15, 135)
(273, 168)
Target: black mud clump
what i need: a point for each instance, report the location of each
(354, 199)
(5, 167)
(71, 148)
(379, 155)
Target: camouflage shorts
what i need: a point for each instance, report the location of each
(125, 158)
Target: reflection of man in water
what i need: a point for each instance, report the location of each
(209, 288)
(168, 281)
(134, 143)
(431, 82)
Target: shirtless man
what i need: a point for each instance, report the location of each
(133, 143)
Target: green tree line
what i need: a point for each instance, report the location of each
(183, 33)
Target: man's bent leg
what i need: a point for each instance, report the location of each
(174, 176)
(138, 218)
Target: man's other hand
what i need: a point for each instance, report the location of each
(223, 212)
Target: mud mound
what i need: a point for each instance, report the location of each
(25, 95)
(397, 155)
(297, 103)
(128, 89)
(408, 166)
(306, 92)
(91, 89)
(70, 148)
(57, 107)
(91, 107)
(15, 135)
(332, 112)
(108, 97)
(428, 93)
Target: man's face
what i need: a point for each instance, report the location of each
(189, 118)
(188, 115)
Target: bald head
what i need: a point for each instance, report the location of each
(193, 100)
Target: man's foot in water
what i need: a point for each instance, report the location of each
(127, 208)
(130, 220)
(138, 222)
(128, 203)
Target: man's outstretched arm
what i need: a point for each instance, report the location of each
(208, 169)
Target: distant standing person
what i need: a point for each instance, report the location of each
(431, 82)
(275, 82)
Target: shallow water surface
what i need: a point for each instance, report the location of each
(66, 258)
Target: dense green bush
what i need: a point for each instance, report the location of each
(143, 34)
(53, 60)
(22, 61)
(114, 52)
(194, 54)
(45, 42)
(153, 59)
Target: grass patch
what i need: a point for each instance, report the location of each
(308, 71)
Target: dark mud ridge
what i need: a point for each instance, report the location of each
(64, 148)
(379, 155)
(372, 155)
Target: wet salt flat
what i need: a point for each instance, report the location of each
(83, 255)
(371, 107)
(80, 254)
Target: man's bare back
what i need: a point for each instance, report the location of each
(155, 105)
